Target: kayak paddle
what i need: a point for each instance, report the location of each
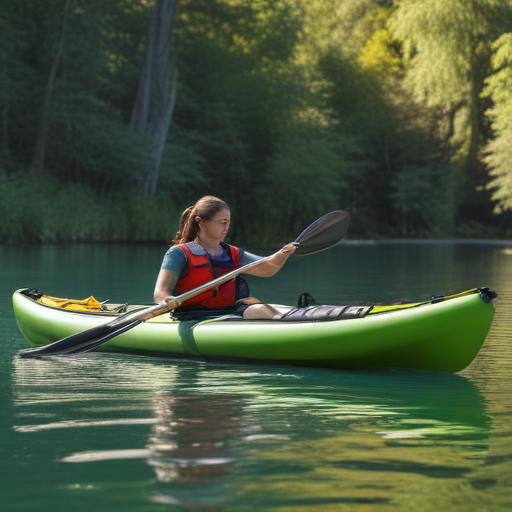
(324, 233)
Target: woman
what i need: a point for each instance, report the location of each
(199, 254)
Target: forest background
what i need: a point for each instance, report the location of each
(116, 115)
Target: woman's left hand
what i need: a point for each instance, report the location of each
(289, 249)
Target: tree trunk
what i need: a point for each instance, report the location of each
(480, 63)
(43, 124)
(474, 142)
(156, 94)
(449, 120)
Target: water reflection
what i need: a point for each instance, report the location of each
(190, 447)
(218, 435)
(395, 438)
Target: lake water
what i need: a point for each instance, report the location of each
(109, 432)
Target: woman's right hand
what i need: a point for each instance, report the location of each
(169, 300)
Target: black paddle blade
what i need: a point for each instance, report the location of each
(81, 341)
(92, 344)
(324, 233)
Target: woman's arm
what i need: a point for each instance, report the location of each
(172, 266)
(165, 283)
(271, 265)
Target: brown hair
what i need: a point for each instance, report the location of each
(206, 208)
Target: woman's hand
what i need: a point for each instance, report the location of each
(289, 249)
(169, 300)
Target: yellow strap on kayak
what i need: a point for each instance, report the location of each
(395, 307)
(461, 294)
(384, 309)
(90, 304)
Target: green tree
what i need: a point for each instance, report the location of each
(423, 195)
(447, 49)
(499, 150)
(14, 74)
(235, 92)
(82, 134)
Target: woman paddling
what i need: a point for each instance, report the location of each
(199, 254)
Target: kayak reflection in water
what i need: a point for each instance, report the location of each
(190, 449)
(199, 254)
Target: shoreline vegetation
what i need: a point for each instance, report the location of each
(115, 116)
(39, 212)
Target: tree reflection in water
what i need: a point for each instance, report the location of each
(188, 447)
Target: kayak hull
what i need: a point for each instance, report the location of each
(443, 336)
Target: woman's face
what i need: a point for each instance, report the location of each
(217, 227)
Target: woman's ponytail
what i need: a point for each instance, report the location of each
(189, 227)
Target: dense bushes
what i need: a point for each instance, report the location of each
(41, 210)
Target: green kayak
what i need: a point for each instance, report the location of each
(440, 334)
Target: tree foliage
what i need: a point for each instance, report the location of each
(286, 109)
(499, 149)
(446, 46)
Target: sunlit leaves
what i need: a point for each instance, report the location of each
(379, 56)
(441, 41)
(499, 150)
(447, 49)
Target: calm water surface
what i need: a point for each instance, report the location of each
(109, 432)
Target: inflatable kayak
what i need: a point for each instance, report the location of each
(444, 333)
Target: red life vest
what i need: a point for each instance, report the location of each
(200, 270)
